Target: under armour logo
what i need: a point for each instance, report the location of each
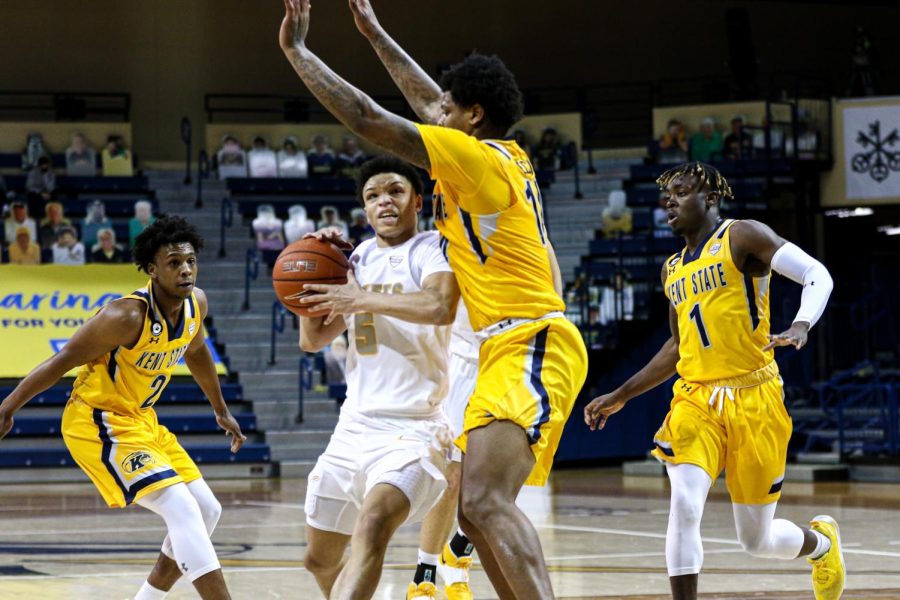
(686, 387)
(184, 567)
(153, 340)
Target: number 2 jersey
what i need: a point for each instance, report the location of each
(396, 368)
(129, 381)
(723, 315)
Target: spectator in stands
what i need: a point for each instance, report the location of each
(81, 160)
(336, 361)
(359, 227)
(51, 224)
(268, 229)
(261, 159)
(143, 217)
(291, 160)
(41, 181)
(320, 158)
(298, 224)
(546, 153)
(738, 144)
(116, 158)
(706, 145)
(93, 222)
(34, 150)
(661, 219)
(106, 250)
(522, 140)
(349, 158)
(331, 218)
(68, 250)
(231, 158)
(616, 217)
(18, 217)
(23, 251)
(673, 145)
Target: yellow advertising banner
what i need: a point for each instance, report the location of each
(42, 306)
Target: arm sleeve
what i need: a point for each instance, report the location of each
(800, 267)
(428, 258)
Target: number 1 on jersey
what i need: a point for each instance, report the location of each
(701, 329)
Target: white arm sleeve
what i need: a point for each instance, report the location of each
(798, 266)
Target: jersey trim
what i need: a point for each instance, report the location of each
(112, 368)
(692, 256)
(499, 149)
(751, 302)
(473, 237)
(538, 390)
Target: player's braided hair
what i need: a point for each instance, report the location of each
(167, 229)
(707, 176)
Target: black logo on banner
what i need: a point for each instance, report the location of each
(877, 156)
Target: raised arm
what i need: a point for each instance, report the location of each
(357, 111)
(420, 90)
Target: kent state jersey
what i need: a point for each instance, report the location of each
(487, 206)
(129, 381)
(723, 315)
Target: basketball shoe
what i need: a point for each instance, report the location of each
(455, 574)
(828, 569)
(425, 589)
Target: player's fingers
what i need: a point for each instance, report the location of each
(318, 287)
(602, 422)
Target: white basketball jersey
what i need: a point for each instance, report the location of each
(462, 337)
(396, 368)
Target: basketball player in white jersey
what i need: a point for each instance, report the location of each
(384, 464)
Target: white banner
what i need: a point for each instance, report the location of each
(872, 152)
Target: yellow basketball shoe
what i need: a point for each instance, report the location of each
(425, 589)
(455, 574)
(828, 569)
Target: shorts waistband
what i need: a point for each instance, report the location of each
(753, 378)
(506, 325)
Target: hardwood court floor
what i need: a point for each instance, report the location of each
(602, 534)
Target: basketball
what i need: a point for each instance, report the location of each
(307, 261)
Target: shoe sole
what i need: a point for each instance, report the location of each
(837, 534)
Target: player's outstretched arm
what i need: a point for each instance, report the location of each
(357, 111)
(118, 324)
(200, 361)
(420, 90)
(660, 368)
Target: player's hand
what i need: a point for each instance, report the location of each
(231, 427)
(600, 408)
(795, 336)
(295, 25)
(6, 423)
(331, 235)
(338, 300)
(364, 17)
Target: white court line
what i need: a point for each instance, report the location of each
(160, 528)
(270, 504)
(872, 553)
(635, 554)
(647, 534)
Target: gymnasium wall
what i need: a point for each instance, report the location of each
(168, 54)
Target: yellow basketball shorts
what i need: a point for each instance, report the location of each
(530, 375)
(125, 457)
(740, 425)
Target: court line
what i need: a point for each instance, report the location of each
(629, 532)
(636, 554)
(161, 528)
(289, 505)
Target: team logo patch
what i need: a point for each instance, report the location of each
(674, 260)
(191, 328)
(156, 328)
(136, 461)
(395, 261)
(714, 249)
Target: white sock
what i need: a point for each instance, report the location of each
(148, 592)
(428, 559)
(822, 546)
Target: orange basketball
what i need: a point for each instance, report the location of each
(307, 261)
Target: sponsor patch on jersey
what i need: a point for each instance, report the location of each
(136, 461)
(674, 260)
(156, 328)
(714, 249)
(395, 261)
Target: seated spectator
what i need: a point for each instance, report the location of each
(298, 224)
(673, 145)
(706, 145)
(81, 160)
(291, 161)
(616, 216)
(331, 218)
(41, 181)
(18, 217)
(349, 158)
(268, 229)
(231, 158)
(522, 140)
(34, 150)
(738, 144)
(106, 250)
(261, 159)
(320, 158)
(143, 218)
(51, 224)
(68, 250)
(661, 219)
(116, 158)
(93, 222)
(546, 153)
(23, 251)
(359, 229)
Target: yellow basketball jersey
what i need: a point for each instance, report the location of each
(488, 208)
(723, 315)
(128, 381)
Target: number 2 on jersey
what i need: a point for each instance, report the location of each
(701, 329)
(156, 387)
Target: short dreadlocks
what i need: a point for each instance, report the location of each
(707, 176)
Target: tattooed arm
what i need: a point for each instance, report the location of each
(357, 111)
(420, 90)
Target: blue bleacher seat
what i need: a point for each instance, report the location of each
(26, 425)
(290, 185)
(201, 453)
(173, 393)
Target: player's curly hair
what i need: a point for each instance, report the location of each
(707, 177)
(485, 80)
(167, 229)
(387, 164)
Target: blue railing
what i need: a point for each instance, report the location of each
(202, 173)
(278, 314)
(226, 220)
(251, 272)
(186, 137)
(305, 383)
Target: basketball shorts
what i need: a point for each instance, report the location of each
(126, 457)
(462, 373)
(409, 454)
(530, 375)
(740, 425)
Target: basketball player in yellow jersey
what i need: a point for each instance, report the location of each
(728, 405)
(127, 352)
(532, 361)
